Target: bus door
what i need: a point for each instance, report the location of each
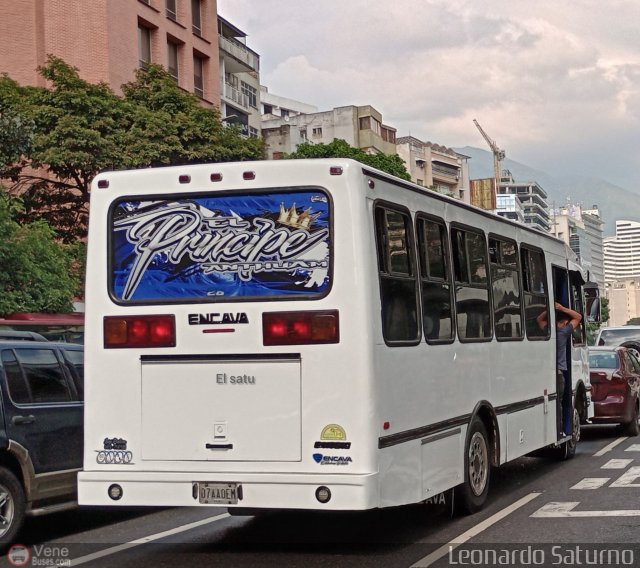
(562, 296)
(567, 290)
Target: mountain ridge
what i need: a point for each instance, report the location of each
(613, 202)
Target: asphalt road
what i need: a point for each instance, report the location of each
(540, 512)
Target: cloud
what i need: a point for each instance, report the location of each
(545, 79)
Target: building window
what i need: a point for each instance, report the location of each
(317, 132)
(144, 46)
(284, 112)
(267, 109)
(251, 93)
(303, 134)
(388, 135)
(370, 123)
(198, 76)
(172, 59)
(172, 10)
(253, 132)
(196, 17)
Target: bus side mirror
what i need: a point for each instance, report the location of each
(592, 298)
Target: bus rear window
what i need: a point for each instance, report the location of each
(213, 247)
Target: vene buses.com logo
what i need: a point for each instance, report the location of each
(18, 555)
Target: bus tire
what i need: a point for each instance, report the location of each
(568, 449)
(12, 507)
(471, 495)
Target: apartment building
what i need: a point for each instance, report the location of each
(530, 197)
(360, 126)
(276, 106)
(239, 79)
(435, 166)
(107, 40)
(624, 300)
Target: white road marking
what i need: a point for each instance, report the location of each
(609, 447)
(616, 464)
(627, 479)
(633, 448)
(559, 509)
(591, 483)
(145, 539)
(465, 536)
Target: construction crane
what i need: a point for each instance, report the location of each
(498, 155)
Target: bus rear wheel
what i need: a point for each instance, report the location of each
(471, 495)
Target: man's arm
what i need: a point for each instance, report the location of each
(542, 319)
(576, 318)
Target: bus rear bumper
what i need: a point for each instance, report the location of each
(260, 491)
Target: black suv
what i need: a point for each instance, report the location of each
(41, 421)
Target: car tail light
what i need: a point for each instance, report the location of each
(597, 377)
(300, 328)
(139, 331)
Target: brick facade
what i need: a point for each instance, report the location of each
(100, 38)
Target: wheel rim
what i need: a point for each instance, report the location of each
(478, 463)
(7, 510)
(576, 427)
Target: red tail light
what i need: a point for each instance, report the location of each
(139, 331)
(300, 328)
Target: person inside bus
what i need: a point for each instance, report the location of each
(567, 320)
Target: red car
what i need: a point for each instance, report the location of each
(615, 382)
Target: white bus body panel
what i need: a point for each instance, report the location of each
(404, 411)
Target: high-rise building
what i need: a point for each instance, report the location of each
(622, 252)
(530, 197)
(581, 229)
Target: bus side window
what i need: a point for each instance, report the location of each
(505, 289)
(398, 287)
(473, 316)
(536, 299)
(435, 277)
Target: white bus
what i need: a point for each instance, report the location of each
(314, 334)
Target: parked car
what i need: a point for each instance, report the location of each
(626, 335)
(14, 335)
(41, 428)
(615, 384)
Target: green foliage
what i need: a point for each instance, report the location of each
(604, 309)
(72, 130)
(393, 165)
(37, 272)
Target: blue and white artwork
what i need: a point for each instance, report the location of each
(213, 247)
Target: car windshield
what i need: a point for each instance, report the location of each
(603, 360)
(618, 336)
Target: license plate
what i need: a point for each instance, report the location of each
(217, 493)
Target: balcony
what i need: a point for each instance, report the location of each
(235, 96)
(245, 58)
(449, 173)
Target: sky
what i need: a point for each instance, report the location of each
(555, 83)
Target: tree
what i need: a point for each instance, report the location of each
(393, 165)
(38, 273)
(77, 129)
